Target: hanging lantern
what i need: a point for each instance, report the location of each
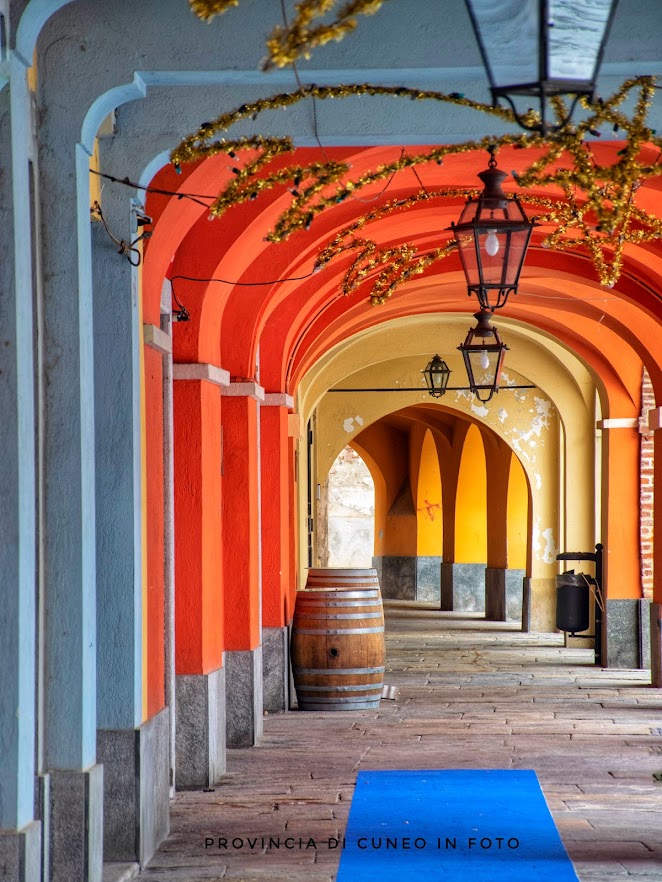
(483, 353)
(492, 235)
(541, 48)
(436, 375)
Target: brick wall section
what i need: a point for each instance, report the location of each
(646, 488)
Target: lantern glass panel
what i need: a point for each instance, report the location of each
(510, 32)
(436, 375)
(484, 365)
(502, 255)
(579, 29)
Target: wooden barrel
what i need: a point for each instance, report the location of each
(338, 640)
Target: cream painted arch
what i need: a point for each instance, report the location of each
(535, 357)
(538, 357)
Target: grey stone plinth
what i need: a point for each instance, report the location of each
(446, 586)
(136, 788)
(463, 587)
(377, 564)
(398, 577)
(428, 578)
(514, 594)
(201, 724)
(20, 854)
(656, 643)
(276, 676)
(244, 703)
(495, 594)
(75, 825)
(627, 632)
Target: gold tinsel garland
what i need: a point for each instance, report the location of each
(207, 9)
(290, 42)
(295, 40)
(597, 211)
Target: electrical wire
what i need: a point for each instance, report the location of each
(125, 248)
(247, 284)
(127, 182)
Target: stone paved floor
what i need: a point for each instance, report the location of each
(472, 695)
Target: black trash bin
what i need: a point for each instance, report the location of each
(572, 602)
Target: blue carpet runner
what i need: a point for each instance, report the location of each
(455, 826)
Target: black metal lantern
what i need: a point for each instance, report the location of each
(541, 48)
(483, 353)
(492, 235)
(436, 375)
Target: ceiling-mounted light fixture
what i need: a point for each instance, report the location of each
(436, 375)
(537, 49)
(483, 353)
(492, 235)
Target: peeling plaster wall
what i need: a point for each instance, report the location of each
(526, 419)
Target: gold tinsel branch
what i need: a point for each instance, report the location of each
(295, 40)
(192, 147)
(207, 9)
(287, 43)
(597, 211)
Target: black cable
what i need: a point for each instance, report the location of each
(247, 284)
(194, 197)
(122, 247)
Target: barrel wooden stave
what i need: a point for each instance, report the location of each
(338, 641)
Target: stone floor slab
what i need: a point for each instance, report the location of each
(472, 694)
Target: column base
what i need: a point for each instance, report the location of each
(75, 825)
(495, 594)
(20, 854)
(428, 582)
(539, 605)
(463, 587)
(397, 576)
(136, 788)
(627, 632)
(244, 701)
(656, 644)
(200, 732)
(276, 664)
(514, 595)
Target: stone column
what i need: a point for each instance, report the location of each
(20, 836)
(201, 675)
(277, 524)
(539, 600)
(655, 425)
(130, 740)
(621, 626)
(241, 563)
(449, 467)
(75, 798)
(497, 461)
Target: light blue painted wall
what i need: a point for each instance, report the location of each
(17, 477)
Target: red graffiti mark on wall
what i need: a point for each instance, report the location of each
(430, 509)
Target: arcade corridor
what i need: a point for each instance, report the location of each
(214, 279)
(471, 694)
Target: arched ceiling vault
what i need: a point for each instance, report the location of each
(296, 323)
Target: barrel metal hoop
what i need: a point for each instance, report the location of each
(339, 616)
(359, 687)
(320, 593)
(322, 704)
(340, 631)
(334, 671)
(338, 604)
